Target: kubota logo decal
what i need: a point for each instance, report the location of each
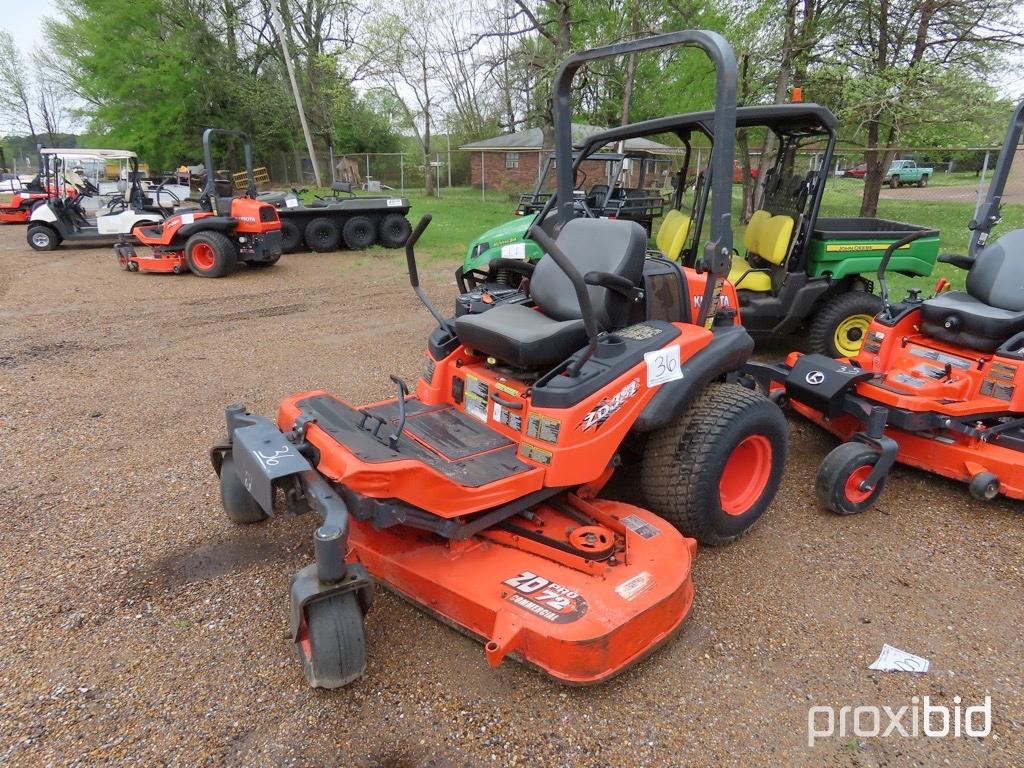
(545, 598)
(814, 378)
(609, 405)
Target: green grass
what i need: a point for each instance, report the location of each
(460, 216)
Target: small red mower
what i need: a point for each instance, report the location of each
(212, 240)
(477, 497)
(938, 384)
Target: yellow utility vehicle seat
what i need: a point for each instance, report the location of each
(768, 237)
(672, 233)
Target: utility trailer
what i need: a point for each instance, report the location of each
(327, 223)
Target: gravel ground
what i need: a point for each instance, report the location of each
(142, 628)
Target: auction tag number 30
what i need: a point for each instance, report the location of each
(663, 366)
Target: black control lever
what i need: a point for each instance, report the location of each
(403, 392)
(414, 276)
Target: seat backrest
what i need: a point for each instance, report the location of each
(773, 243)
(598, 193)
(997, 275)
(592, 245)
(672, 233)
(752, 236)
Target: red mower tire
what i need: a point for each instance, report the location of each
(332, 643)
(211, 254)
(394, 230)
(291, 236)
(238, 503)
(713, 473)
(43, 238)
(984, 486)
(359, 233)
(323, 235)
(839, 478)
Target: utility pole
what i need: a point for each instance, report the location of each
(278, 24)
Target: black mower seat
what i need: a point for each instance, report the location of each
(992, 308)
(528, 338)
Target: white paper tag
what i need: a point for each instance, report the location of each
(188, 218)
(894, 660)
(630, 589)
(663, 366)
(514, 251)
(394, 202)
(291, 202)
(497, 412)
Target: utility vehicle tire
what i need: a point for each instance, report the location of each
(323, 235)
(984, 486)
(238, 503)
(43, 238)
(333, 647)
(894, 182)
(394, 230)
(211, 254)
(840, 475)
(713, 473)
(924, 181)
(291, 236)
(359, 232)
(839, 327)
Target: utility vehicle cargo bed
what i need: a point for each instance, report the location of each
(852, 246)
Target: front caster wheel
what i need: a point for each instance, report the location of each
(841, 475)
(984, 486)
(239, 504)
(332, 643)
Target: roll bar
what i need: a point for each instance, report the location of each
(987, 215)
(718, 250)
(211, 187)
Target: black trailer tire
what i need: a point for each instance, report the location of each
(839, 477)
(984, 486)
(839, 327)
(394, 230)
(713, 473)
(333, 651)
(211, 254)
(291, 236)
(238, 503)
(323, 235)
(43, 238)
(359, 233)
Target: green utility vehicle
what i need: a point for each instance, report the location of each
(797, 272)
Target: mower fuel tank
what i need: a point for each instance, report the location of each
(254, 216)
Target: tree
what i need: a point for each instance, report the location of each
(15, 87)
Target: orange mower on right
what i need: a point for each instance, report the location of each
(938, 383)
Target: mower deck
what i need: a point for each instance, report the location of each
(530, 590)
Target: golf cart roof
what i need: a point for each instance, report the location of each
(100, 154)
(800, 118)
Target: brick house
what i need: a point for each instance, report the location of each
(515, 161)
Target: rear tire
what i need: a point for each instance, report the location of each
(291, 236)
(333, 649)
(42, 238)
(359, 233)
(839, 327)
(394, 230)
(840, 475)
(238, 503)
(211, 254)
(924, 181)
(323, 235)
(713, 473)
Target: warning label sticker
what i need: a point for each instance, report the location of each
(632, 588)
(545, 598)
(476, 398)
(640, 526)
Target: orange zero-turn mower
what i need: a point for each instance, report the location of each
(477, 498)
(213, 239)
(938, 384)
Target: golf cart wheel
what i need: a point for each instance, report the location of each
(984, 486)
(238, 503)
(359, 233)
(211, 254)
(43, 238)
(714, 471)
(332, 643)
(291, 236)
(323, 235)
(838, 328)
(840, 477)
(394, 230)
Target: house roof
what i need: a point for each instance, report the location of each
(533, 139)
